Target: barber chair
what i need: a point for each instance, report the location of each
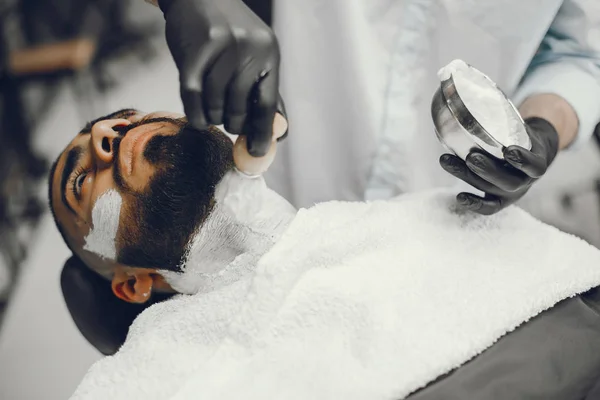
(101, 317)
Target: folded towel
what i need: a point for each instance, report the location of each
(356, 301)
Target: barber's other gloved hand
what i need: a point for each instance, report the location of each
(228, 61)
(504, 182)
(100, 316)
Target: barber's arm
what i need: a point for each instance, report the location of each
(567, 65)
(559, 99)
(228, 62)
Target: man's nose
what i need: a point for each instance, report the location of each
(103, 135)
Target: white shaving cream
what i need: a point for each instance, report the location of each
(454, 66)
(246, 221)
(105, 223)
(486, 103)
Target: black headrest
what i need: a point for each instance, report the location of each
(101, 317)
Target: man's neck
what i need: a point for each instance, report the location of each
(247, 220)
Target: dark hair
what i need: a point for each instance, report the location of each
(59, 226)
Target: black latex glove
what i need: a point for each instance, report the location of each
(100, 316)
(228, 61)
(504, 182)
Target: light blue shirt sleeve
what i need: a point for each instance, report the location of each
(568, 64)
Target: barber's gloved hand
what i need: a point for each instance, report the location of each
(228, 61)
(504, 182)
(100, 316)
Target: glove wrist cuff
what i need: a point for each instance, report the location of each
(162, 4)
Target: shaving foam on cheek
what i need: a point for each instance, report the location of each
(105, 219)
(246, 221)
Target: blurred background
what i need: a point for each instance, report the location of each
(63, 63)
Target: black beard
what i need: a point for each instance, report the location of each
(178, 199)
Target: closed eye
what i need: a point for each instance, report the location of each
(78, 183)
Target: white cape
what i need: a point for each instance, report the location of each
(356, 301)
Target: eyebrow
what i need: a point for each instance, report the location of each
(73, 157)
(123, 113)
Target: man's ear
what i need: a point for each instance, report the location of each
(101, 318)
(133, 285)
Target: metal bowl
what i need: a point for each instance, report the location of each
(458, 130)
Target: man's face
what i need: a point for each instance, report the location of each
(165, 174)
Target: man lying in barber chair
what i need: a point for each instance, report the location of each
(407, 298)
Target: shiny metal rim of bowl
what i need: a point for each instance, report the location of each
(457, 129)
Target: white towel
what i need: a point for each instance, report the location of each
(356, 301)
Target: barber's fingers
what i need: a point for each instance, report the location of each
(237, 98)
(532, 163)
(487, 205)
(261, 113)
(191, 81)
(193, 108)
(497, 172)
(216, 82)
(193, 68)
(457, 167)
(191, 90)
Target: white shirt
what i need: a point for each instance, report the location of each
(358, 76)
